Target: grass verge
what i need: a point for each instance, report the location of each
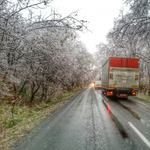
(26, 118)
(143, 97)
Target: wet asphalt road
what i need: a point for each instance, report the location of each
(86, 123)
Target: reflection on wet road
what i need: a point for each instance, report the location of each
(90, 121)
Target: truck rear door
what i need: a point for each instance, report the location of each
(124, 72)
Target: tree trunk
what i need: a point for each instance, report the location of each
(149, 87)
(34, 91)
(23, 86)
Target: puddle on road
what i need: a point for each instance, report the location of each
(135, 115)
(119, 126)
(117, 123)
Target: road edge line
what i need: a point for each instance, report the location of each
(143, 138)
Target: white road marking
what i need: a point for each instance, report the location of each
(139, 134)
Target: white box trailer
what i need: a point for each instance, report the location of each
(120, 77)
(98, 84)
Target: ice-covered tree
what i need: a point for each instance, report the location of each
(40, 55)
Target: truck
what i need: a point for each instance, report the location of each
(120, 77)
(97, 84)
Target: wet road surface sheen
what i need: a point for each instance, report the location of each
(85, 124)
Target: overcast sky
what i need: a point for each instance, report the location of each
(99, 13)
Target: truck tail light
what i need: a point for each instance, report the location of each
(134, 93)
(109, 92)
